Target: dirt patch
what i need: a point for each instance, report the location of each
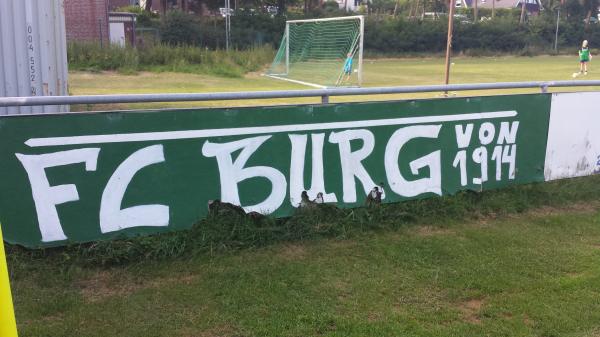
(470, 310)
(488, 220)
(343, 244)
(343, 290)
(373, 317)
(49, 319)
(106, 284)
(103, 285)
(528, 321)
(291, 252)
(582, 207)
(574, 274)
(217, 331)
(432, 231)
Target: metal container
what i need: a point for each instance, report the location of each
(33, 52)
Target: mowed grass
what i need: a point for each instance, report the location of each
(377, 72)
(507, 272)
(534, 275)
(521, 271)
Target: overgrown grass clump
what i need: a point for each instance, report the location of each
(232, 231)
(187, 59)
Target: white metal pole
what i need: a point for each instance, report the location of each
(556, 33)
(329, 19)
(227, 25)
(229, 21)
(449, 41)
(287, 48)
(360, 50)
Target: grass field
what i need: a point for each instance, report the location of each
(522, 262)
(517, 262)
(377, 72)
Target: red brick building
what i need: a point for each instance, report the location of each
(86, 20)
(114, 4)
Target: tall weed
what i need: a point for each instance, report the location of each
(232, 231)
(188, 59)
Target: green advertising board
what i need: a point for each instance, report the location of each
(81, 177)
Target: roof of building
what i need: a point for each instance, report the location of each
(498, 3)
(501, 3)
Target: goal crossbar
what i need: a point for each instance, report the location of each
(360, 17)
(314, 52)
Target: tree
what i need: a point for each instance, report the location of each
(590, 6)
(281, 7)
(523, 7)
(180, 28)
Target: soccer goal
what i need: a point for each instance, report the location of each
(321, 53)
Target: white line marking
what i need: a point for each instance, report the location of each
(298, 82)
(190, 134)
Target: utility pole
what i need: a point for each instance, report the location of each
(556, 33)
(523, 6)
(227, 24)
(449, 41)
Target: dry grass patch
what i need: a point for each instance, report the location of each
(432, 231)
(292, 252)
(470, 310)
(105, 284)
(587, 207)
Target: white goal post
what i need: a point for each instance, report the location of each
(321, 53)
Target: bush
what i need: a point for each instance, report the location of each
(89, 56)
(501, 34)
(186, 39)
(143, 18)
(179, 28)
(248, 30)
(94, 57)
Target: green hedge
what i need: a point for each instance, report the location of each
(248, 30)
(194, 44)
(392, 35)
(503, 34)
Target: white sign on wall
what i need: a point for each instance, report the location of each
(573, 148)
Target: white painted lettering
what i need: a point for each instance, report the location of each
(47, 197)
(508, 133)
(480, 156)
(112, 217)
(233, 172)
(463, 136)
(509, 156)
(297, 168)
(351, 162)
(497, 157)
(487, 131)
(397, 182)
(460, 161)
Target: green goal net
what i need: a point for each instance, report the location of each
(321, 53)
